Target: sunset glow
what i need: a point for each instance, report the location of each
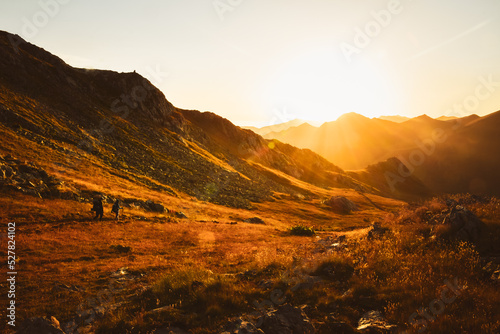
(315, 59)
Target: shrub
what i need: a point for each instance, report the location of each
(302, 230)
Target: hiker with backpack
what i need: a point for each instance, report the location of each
(116, 209)
(98, 208)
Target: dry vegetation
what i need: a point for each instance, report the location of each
(206, 269)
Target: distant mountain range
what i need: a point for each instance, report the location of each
(467, 159)
(275, 128)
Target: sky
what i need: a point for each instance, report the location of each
(263, 62)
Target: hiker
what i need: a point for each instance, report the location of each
(116, 209)
(99, 210)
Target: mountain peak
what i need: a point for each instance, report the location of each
(352, 117)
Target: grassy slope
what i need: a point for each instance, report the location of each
(58, 243)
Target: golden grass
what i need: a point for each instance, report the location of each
(58, 243)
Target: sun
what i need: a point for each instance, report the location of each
(319, 87)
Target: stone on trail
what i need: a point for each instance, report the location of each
(374, 322)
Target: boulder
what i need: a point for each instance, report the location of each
(40, 325)
(374, 322)
(154, 207)
(464, 224)
(341, 205)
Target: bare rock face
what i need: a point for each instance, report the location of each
(40, 325)
(341, 205)
(465, 225)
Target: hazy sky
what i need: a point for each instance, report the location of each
(260, 62)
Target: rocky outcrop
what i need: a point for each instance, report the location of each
(26, 177)
(464, 224)
(286, 319)
(341, 205)
(154, 207)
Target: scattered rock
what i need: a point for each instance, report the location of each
(249, 274)
(465, 225)
(287, 319)
(333, 325)
(373, 321)
(341, 205)
(239, 326)
(32, 180)
(121, 248)
(120, 272)
(40, 325)
(180, 214)
(266, 284)
(254, 220)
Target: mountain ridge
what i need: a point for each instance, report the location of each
(69, 120)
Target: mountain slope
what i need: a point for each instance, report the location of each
(354, 141)
(76, 122)
(467, 159)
